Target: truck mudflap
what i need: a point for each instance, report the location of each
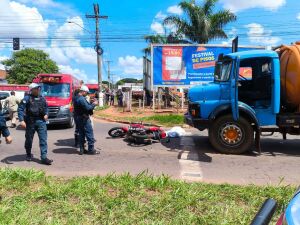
(198, 123)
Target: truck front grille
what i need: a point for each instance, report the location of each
(53, 111)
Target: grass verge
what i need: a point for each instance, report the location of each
(29, 197)
(169, 120)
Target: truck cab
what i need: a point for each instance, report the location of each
(243, 98)
(58, 90)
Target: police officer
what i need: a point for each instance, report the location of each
(76, 132)
(36, 109)
(83, 109)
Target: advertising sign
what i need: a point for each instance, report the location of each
(186, 65)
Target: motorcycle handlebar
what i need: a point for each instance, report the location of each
(266, 212)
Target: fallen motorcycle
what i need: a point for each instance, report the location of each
(139, 134)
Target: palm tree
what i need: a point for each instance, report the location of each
(172, 38)
(153, 39)
(200, 24)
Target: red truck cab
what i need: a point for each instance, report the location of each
(94, 88)
(58, 89)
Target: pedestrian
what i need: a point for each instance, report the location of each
(107, 96)
(120, 98)
(148, 97)
(83, 110)
(36, 109)
(3, 128)
(11, 103)
(112, 98)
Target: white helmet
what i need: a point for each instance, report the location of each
(84, 88)
(33, 86)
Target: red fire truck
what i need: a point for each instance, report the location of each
(58, 89)
(94, 88)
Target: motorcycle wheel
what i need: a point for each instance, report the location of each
(141, 139)
(116, 132)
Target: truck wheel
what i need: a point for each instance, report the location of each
(71, 122)
(231, 137)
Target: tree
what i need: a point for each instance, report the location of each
(200, 24)
(26, 64)
(172, 38)
(128, 80)
(153, 39)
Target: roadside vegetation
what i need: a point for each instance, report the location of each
(30, 197)
(166, 120)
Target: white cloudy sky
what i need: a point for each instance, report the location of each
(44, 24)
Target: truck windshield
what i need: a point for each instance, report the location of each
(222, 71)
(55, 90)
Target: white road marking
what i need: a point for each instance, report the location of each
(190, 167)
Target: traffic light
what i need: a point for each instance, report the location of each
(16, 43)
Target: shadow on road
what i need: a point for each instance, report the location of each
(65, 142)
(275, 147)
(67, 146)
(65, 151)
(17, 158)
(200, 145)
(196, 148)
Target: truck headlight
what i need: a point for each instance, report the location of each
(65, 107)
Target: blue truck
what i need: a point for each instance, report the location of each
(237, 110)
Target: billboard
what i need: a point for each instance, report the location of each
(186, 65)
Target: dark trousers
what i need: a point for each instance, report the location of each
(40, 127)
(76, 125)
(120, 101)
(86, 131)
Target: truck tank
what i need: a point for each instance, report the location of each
(290, 76)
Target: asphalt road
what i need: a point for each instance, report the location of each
(190, 158)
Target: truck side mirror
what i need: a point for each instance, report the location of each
(218, 70)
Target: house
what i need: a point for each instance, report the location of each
(3, 74)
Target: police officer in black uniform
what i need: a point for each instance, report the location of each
(36, 109)
(83, 109)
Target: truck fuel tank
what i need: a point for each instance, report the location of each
(290, 75)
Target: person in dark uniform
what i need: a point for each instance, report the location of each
(36, 109)
(83, 109)
(120, 98)
(76, 132)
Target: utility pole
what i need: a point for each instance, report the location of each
(98, 48)
(108, 72)
(112, 80)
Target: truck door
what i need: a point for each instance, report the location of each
(234, 89)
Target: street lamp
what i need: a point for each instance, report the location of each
(81, 27)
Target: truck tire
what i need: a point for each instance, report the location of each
(231, 137)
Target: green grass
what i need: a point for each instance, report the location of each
(29, 197)
(98, 108)
(166, 120)
(162, 120)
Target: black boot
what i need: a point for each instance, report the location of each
(82, 151)
(92, 151)
(76, 138)
(47, 161)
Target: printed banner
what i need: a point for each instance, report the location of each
(186, 65)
